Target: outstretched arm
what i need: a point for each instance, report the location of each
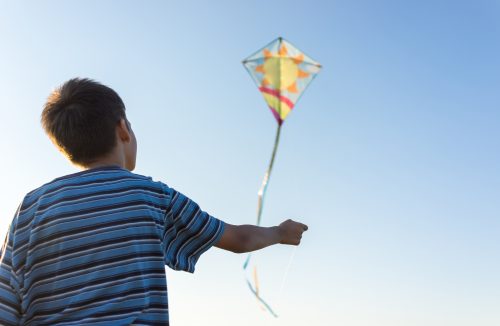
(246, 238)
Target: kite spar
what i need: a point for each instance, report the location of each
(282, 73)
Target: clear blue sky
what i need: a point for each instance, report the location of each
(391, 156)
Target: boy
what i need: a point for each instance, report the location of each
(90, 248)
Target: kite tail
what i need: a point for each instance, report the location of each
(267, 176)
(271, 311)
(260, 207)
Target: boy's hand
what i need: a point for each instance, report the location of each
(291, 232)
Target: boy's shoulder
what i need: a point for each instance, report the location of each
(101, 177)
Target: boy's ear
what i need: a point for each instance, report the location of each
(123, 131)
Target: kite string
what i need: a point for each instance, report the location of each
(285, 275)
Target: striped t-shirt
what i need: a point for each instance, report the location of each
(90, 248)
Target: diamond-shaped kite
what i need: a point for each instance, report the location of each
(282, 73)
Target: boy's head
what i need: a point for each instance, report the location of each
(87, 121)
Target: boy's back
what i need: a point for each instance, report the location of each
(91, 248)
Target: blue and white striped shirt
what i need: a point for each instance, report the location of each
(90, 248)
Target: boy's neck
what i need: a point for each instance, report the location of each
(112, 160)
(100, 165)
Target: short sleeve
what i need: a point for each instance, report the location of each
(10, 303)
(188, 232)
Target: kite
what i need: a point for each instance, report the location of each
(282, 73)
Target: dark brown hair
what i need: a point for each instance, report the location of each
(81, 118)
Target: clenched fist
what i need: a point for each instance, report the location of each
(291, 232)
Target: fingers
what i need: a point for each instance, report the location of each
(295, 231)
(302, 226)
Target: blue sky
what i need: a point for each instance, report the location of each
(391, 156)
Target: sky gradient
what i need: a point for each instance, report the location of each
(391, 156)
